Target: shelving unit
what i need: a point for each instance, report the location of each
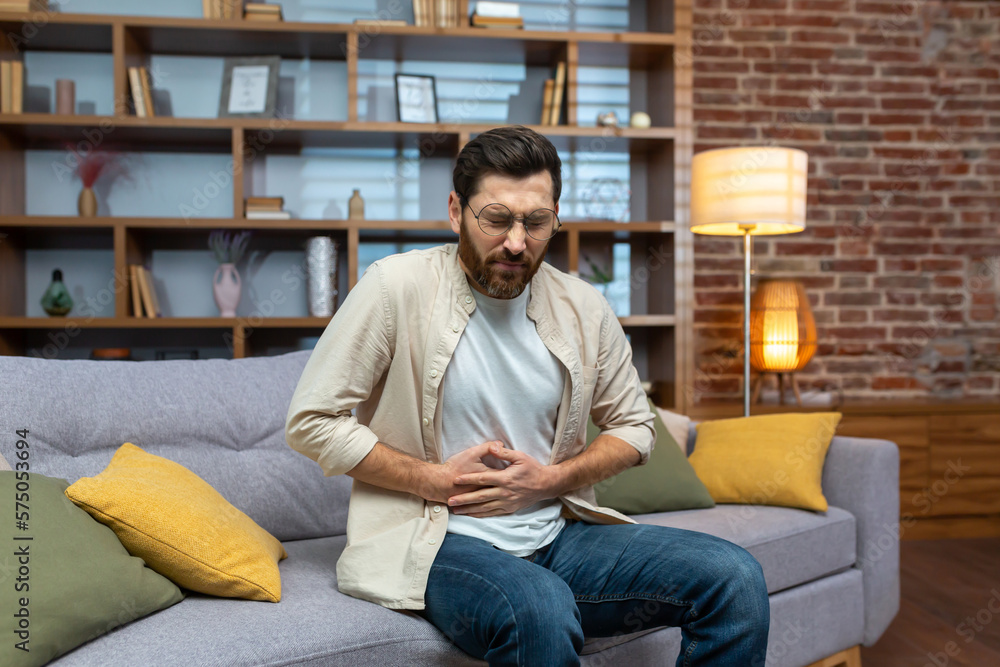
(656, 54)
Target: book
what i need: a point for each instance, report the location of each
(261, 8)
(557, 93)
(265, 203)
(17, 87)
(144, 291)
(223, 9)
(147, 91)
(420, 17)
(24, 5)
(261, 11)
(498, 9)
(135, 87)
(442, 13)
(6, 74)
(136, 294)
(379, 22)
(547, 101)
(488, 22)
(268, 215)
(152, 292)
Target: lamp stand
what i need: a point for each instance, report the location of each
(747, 252)
(781, 386)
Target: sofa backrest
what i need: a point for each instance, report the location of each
(222, 419)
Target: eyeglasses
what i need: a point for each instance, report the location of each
(496, 220)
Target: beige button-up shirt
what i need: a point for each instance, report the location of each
(385, 353)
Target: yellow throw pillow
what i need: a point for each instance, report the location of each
(182, 527)
(767, 459)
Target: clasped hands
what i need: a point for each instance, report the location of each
(473, 488)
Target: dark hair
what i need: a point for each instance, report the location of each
(512, 151)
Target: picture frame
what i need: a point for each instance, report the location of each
(416, 98)
(249, 87)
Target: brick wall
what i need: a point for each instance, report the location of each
(898, 106)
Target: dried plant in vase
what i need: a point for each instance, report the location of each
(226, 283)
(90, 167)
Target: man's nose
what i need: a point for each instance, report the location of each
(516, 240)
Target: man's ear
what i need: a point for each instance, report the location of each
(455, 211)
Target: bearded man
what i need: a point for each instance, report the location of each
(454, 386)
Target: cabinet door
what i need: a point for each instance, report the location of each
(965, 463)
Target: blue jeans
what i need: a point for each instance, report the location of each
(600, 581)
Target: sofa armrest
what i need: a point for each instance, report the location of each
(861, 475)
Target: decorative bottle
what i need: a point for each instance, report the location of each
(56, 301)
(356, 206)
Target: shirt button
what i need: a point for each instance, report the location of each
(455, 329)
(434, 373)
(426, 421)
(468, 299)
(437, 509)
(432, 542)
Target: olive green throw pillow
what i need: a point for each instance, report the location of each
(667, 482)
(71, 581)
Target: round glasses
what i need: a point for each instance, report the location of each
(496, 220)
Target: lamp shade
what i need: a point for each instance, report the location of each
(782, 328)
(755, 189)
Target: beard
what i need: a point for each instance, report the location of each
(495, 281)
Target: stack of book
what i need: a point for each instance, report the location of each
(142, 92)
(552, 96)
(24, 5)
(143, 294)
(379, 22)
(221, 9)
(497, 15)
(266, 208)
(436, 13)
(260, 11)
(11, 86)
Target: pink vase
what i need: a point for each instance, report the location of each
(226, 286)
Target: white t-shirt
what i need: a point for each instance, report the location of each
(503, 384)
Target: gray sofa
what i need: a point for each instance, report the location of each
(833, 578)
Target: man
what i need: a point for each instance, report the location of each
(473, 370)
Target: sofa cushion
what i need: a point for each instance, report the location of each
(74, 578)
(677, 425)
(766, 459)
(793, 546)
(667, 481)
(222, 419)
(168, 516)
(313, 624)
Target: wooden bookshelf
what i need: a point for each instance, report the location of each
(656, 51)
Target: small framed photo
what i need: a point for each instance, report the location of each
(249, 87)
(416, 98)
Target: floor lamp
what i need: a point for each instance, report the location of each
(748, 191)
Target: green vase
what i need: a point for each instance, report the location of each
(56, 301)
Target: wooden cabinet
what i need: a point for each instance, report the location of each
(652, 49)
(949, 458)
